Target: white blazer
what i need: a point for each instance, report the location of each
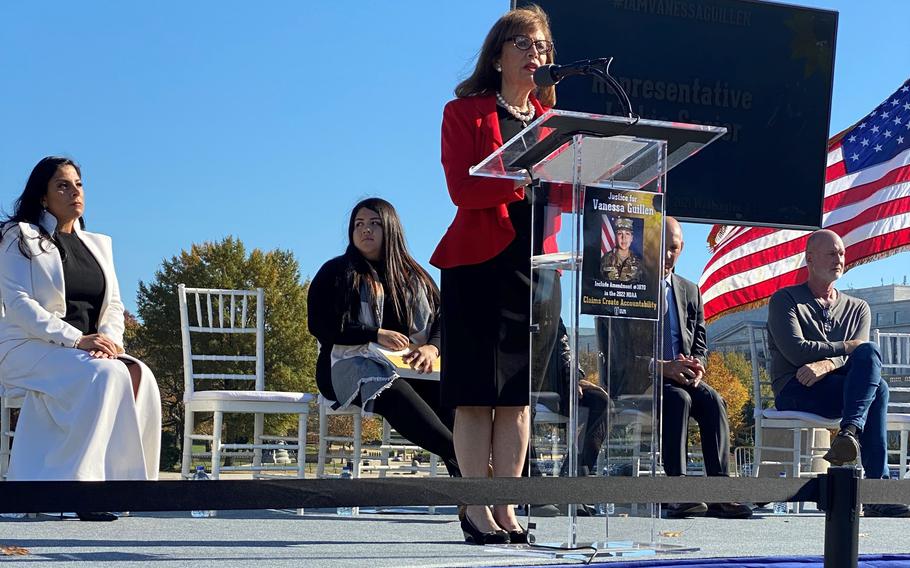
(33, 293)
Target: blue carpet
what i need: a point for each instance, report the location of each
(866, 561)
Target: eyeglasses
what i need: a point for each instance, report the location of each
(524, 43)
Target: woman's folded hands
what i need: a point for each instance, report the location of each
(99, 345)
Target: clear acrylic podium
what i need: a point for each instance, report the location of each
(577, 359)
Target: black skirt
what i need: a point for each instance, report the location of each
(486, 319)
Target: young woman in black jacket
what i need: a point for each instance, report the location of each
(372, 298)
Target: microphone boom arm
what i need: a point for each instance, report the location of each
(600, 67)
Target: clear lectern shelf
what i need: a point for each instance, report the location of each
(562, 260)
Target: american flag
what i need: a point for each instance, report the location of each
(607, 236)
(867, 203)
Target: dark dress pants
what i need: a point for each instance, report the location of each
(707, 408)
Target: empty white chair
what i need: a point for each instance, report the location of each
(895, 350)
(226, 312)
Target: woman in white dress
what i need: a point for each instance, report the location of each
(91, 412)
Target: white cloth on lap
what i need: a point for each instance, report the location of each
(363, 370)
(79, 420)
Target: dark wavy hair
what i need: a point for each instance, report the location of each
(28, 208)
(485, 80)
(401, 270)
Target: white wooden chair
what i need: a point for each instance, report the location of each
(226, 312)
(636, 422)
(743, 461)
(766, 416)
(637, 428)
(394, 443)
(391, 443)
(9, 399)
(895, 350)
(549, 458)
(355, 440)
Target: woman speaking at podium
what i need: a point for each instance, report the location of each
(484, 257)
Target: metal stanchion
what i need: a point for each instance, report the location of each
(839, 499)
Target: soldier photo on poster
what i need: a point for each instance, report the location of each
(621, 263)
(622, 248)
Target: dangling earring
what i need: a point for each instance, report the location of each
(498, 67)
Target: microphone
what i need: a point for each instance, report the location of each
(550, 74)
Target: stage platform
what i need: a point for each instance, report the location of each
(320, 538)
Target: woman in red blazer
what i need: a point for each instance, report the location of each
(485, 262)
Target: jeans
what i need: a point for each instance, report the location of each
(857, 395)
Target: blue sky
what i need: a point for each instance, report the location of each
(268, 121)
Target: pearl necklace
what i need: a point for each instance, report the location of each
(523, 116)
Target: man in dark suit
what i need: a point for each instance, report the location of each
(685, 394)
(627, 357)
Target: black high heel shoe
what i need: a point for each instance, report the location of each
(97, 517)
(472, 534)
(520, 536)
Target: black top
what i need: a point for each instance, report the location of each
(509, 126)
(325, 312)
(520, 211)
(84, 283)
(390, 319)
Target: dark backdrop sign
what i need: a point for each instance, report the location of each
(762, 70)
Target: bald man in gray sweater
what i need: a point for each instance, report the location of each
(822, 362)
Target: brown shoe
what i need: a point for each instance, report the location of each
(844, 449)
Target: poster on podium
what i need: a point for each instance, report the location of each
(621, 258)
